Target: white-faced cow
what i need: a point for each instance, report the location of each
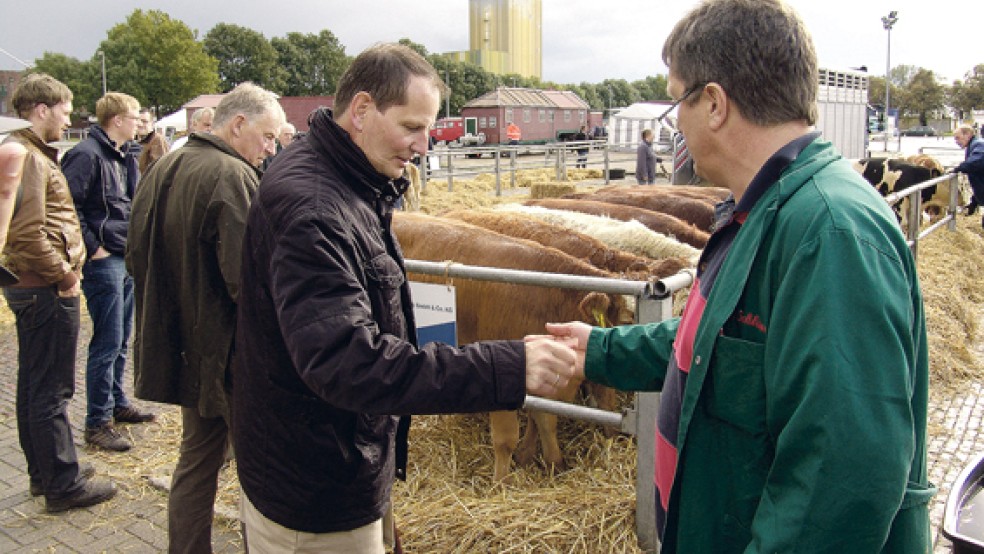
(890, 175)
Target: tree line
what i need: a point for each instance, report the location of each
(162, 62)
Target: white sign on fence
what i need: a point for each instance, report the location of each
(435, 312)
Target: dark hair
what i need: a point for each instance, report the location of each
(38, 88)
(384, 71)
(759, 51)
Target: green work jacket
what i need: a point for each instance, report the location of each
(805, 431)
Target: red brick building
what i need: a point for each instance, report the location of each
(542, 115)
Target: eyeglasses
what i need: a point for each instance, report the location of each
(686, 94)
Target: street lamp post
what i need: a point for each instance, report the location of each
(887, 22)
(103, 56)
(447, 97)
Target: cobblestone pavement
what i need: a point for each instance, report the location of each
(136, 520)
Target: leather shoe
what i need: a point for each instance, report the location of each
(91, 493)
(107, 437)
(86, 471)
(130, 414)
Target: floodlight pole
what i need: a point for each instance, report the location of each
(887, 22)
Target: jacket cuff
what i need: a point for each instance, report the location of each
(509, 372)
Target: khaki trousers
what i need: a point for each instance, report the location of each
(264, 536)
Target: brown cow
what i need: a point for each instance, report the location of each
(657, 221)
(697, 212)
(576, 244)
(489, 311)
(709, 194)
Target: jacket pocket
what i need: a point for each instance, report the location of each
(385, 280)
(735, 388)
(734, 402)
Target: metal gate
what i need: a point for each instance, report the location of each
(654, 302)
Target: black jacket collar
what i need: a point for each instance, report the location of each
(334, 143)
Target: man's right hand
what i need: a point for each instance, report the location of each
(549, 365)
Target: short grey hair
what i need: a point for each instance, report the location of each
(249, 100)
(200, 113)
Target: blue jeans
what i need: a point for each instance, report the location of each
(47, 337)
(108, 292)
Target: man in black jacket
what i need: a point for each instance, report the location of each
(326, 358)
(102, 174)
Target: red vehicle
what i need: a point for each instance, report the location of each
(447, 130)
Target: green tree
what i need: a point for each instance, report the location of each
(922, 95)
(83, 78)
(968, 95)
(652, 88)
(243, 55)
(312, 63)
(157, 60)
(418, 48)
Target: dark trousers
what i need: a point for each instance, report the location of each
(47, 336)
(191, 503)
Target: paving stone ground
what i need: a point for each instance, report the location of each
(136, 520)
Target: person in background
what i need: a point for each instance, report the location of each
(582, 150)
(201, 122)
(153, 145)
(284, 138)
(326, 361)
(44, 247)
(646, 159)
(102, 175)
(12, 156)
(513, 133)
(973, 164)
(184, 251)
(781, 427)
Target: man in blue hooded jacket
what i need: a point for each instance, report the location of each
(102, 175)
(973, 164)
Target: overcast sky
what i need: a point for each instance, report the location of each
(583, 40)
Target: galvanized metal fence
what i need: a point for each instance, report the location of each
(504, 161)
(914, 231)
(653, 303)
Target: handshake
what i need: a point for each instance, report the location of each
(555, 359)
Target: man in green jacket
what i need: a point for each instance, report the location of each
(794, 386)
(184, 252)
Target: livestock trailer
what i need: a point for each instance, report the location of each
(842, 106)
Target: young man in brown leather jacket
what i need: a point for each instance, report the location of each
(45, 250)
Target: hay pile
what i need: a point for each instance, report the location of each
(950, 270)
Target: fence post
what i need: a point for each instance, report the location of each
(915, 221)
(512, 167)
(498, 171)
(450, 172)
(954, 202)
(608, 150)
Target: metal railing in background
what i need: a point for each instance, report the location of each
(913, 230)
(504, 161)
